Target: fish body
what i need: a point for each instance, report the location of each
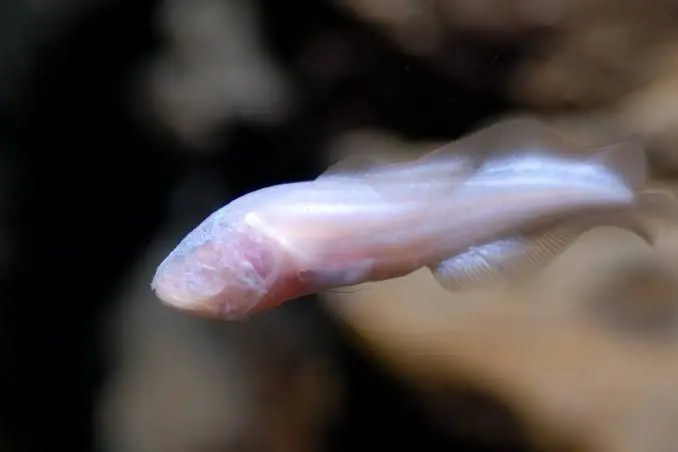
(497, 204)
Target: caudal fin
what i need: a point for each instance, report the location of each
(659, 202)
(657, 208)
(627, 159)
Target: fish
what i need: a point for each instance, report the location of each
(498, 204)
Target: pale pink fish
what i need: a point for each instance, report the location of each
(496, 205)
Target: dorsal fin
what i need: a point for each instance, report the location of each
(364, 153)
(399, 175)
(355, 165)
(508, 136)
(453, 163)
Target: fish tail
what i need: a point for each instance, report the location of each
(658, 209)
(661, 202)
(656, 206)
(627, 159)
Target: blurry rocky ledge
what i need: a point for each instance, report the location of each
(614, 59)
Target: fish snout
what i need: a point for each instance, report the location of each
(220, 279)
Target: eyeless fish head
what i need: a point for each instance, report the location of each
(219, 273)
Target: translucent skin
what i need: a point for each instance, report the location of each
(286, 241)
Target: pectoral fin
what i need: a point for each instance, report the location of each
(336, 274)
(514, 258)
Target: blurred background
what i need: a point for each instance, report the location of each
(123, 123)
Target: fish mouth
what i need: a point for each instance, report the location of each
(218, 279)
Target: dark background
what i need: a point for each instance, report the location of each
(88, 184)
